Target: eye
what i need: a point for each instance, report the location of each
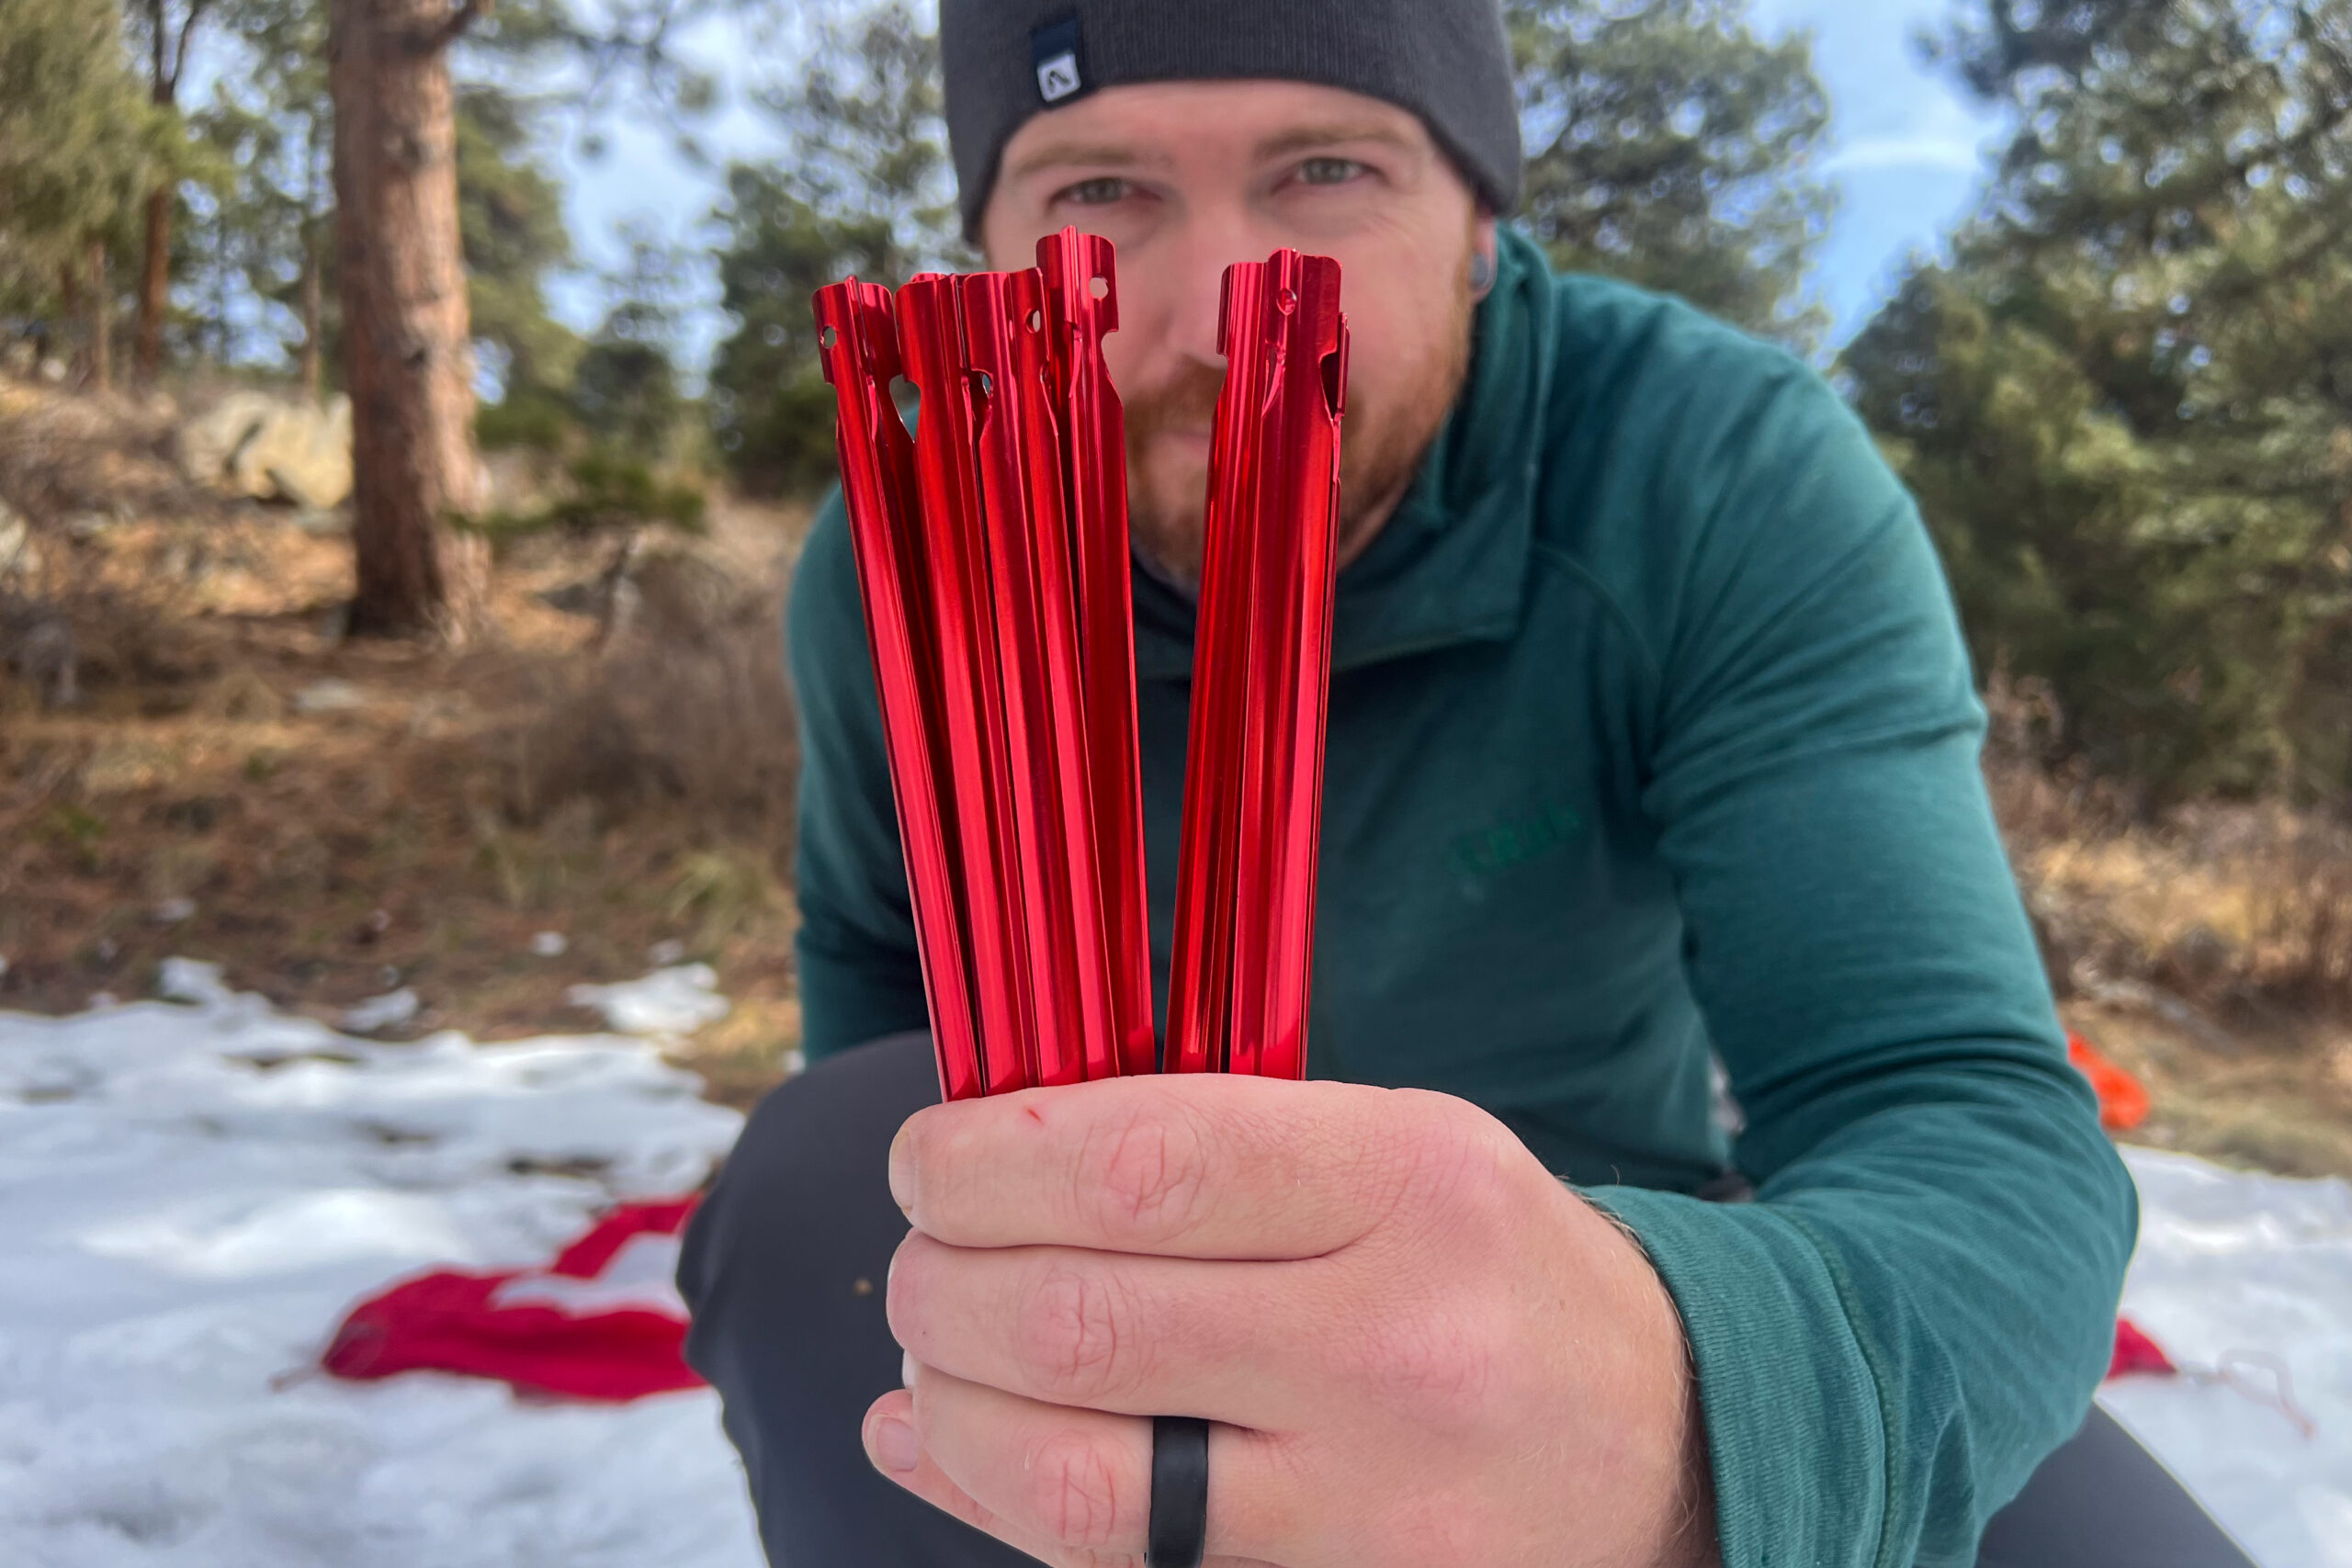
(1100, 191)
(1329, 170)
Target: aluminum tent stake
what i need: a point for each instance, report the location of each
(1035, 599)
(973, 709)
(1245, 895)
(858, 346)
(1081, 307)
(1304, 490)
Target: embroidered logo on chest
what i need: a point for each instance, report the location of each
(1514, 839)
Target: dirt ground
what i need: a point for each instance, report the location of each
(333, 820)
(552, 805)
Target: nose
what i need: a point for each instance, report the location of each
(1214, 237)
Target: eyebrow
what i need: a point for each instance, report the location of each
(1089, 154)
(1306, 138)
(1281, 143)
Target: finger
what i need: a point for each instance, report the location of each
(1110, 1331)
(1075, 1485)
(1208, 1165)
(893, 1446)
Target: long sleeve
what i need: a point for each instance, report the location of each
(859, 975)
(1920, 1301)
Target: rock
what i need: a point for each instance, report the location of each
(254, 445)
(20, 557)
(308, 455)
(329, 696)
(211, 444)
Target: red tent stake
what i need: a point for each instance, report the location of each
(1245, 891)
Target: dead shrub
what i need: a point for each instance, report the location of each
(2303, 915)
(694, 719)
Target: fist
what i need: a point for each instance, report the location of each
(1415, 1346)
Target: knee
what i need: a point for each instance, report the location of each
(806, 1185)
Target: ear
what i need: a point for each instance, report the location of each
(1482, 255)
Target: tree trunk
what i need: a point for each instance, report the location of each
(154, 286)
(155, 271)
(101, 321)
(314, 291)
(69, 305)
(313, 321)
(408, 357)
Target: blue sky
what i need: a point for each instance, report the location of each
(1908, 157)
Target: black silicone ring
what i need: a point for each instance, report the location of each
(1180, 1492)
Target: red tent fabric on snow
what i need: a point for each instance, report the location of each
(603, 1322)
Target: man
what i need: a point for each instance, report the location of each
(1651, 742)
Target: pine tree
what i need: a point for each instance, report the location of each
(866, 188)
(78, 148)
(510, 217)
(625, 389)
(2126, 404)
(164, 34)
(272, 125)
(1669, 146)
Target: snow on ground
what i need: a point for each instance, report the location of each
(192, 1194)
(2231, 1264)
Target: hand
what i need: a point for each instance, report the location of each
(1419, 1346)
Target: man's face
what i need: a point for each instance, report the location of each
(1186, 178)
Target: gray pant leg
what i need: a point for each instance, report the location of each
(798, 1348)
(2102, 1501)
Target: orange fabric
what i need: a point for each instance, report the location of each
(2122, 1101)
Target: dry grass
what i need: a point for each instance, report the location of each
(330, 819)
(2207, 949)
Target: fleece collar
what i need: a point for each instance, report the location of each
(1450, 566)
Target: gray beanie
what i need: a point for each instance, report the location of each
(1446, 61)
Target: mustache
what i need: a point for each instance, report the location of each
(1186, 404)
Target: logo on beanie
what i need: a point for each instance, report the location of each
(1053, 46)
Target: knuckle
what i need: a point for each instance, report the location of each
(1073, 1490)
(1074, 1333)
(1147, 1174)
(1464, 1161)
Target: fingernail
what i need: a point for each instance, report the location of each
(907, 1370)
(902, 1173)
(895, 1447)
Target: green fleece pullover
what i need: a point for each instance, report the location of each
(1652, 739)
